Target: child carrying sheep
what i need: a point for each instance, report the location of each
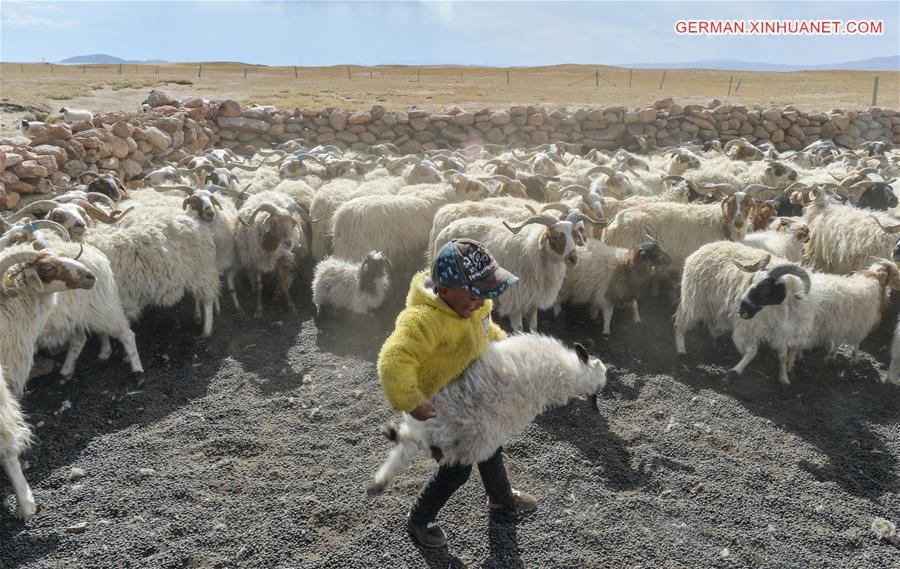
(445, 326)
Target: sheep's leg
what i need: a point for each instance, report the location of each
(636, 311)
(229, 282)
(557, 308)
(399, 457)
(76, 344)
(748, 354)
(105, 348)
(792, 358)
(681, 325)
(284, 287)
(608, 310)
(533, 320)
(207, 318)
(129, 342)
(216, 307)
(515, 321)
(198, 314)
(258, 286)
(25, 505)
(831, 356)
(783, 366)
(595, 312)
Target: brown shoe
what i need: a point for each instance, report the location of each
(428, 534)
(522, 502)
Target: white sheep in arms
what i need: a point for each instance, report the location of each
(538, 251)
(75, 115)
(358, 287)
(79, 312)
(270, 239)
(28, 280)
(608, 276)
(15, 437)
(850, 307)
(397, 225)
(499, 394)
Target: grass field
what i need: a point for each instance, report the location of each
(396, 87)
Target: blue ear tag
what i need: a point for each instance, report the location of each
(30, 227)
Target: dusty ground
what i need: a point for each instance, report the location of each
(262, 439)
(434, 88)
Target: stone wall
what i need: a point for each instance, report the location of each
(166, 130)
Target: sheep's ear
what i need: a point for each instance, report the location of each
(582, 353)
(33, 279)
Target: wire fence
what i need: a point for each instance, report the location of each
(580, 77)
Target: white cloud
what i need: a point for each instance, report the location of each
(32, 15)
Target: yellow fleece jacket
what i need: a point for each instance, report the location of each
(431, 345)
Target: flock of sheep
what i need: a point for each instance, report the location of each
(792, 250)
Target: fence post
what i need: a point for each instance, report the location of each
(875, 91)
(507, 76)
(120, 69)
(295, 72)
(51, 68)
(418, 74)
(245, 73)
(738, 86)
(200, 71)
(663, 80)
(157, 69)
(630, 73)
(21, 68)
(730, 81)
(83, 69)
(596, 77)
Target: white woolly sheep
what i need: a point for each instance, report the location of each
(270, 239)
(499, 394)
(15, 437)
(324, 203)
(75, 115)
(28, 280)
(850, 307)
(397, 225)
(608, 276)
(784, 239)
(358, 287)
(772, 306)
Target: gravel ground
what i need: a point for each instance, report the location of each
(253, 449)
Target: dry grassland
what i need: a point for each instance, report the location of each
(434, 88)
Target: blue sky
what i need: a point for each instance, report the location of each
(473, 33)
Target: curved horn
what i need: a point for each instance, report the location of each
(181, 187)
(792, 269)
(99, 214)
(40, 207)
(575, 217)
(541, 219)
(7, 263)
(602, 169)
(578, 189)
(558, 206)
(262, 208)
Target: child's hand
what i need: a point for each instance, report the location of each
(423, 412)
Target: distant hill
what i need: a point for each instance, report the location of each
(105, 59)
(890, 63)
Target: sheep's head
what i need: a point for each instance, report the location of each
(293, 168)
(597, 374)
(108, 185)
(374, 265)
(773, 287)
(875, 195)
(740, 149)
(204, 203)
(683, 160)
(422, 173)
(502, 168)
(736, 210)
(886, 272)
(43, 271)
(277, 226)
(777, 173)
(651, 252)
(560, 236)
(543, 164)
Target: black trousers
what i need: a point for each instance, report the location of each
(448, 478)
